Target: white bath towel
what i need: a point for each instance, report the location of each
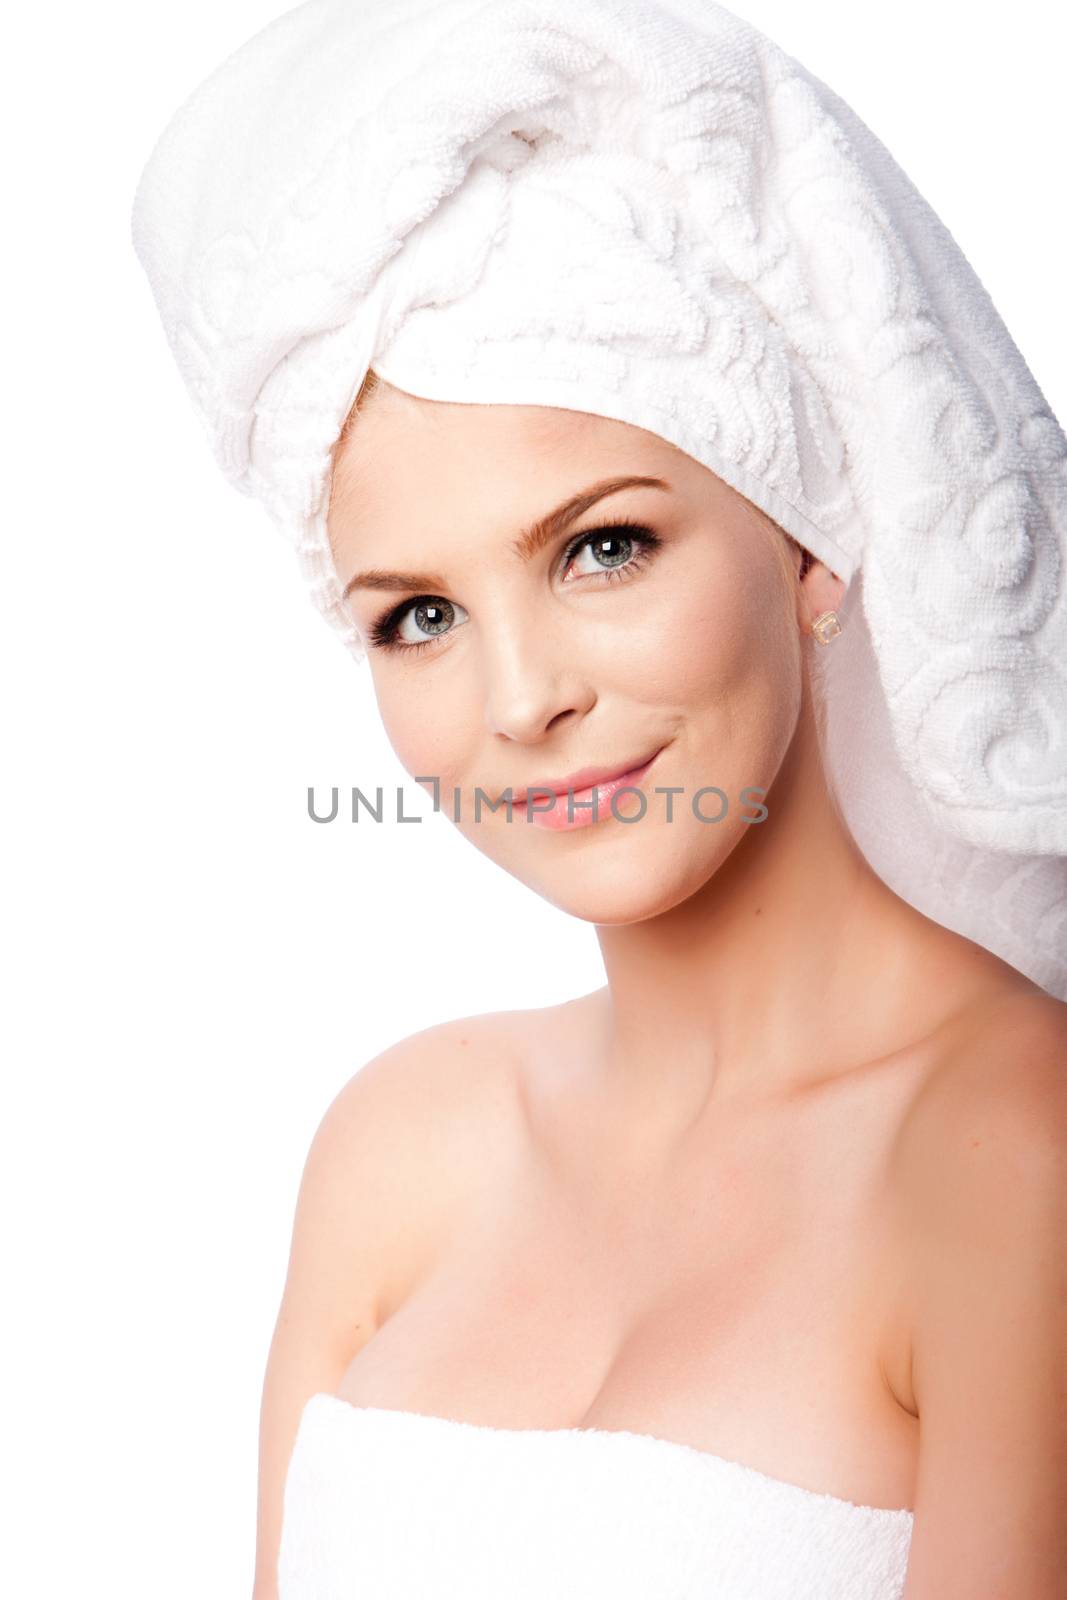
(647, 210)
(394, 1505)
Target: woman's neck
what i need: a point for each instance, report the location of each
(793, 963)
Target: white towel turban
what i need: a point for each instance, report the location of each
(646, 210)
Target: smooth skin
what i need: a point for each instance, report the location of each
(792, 1187)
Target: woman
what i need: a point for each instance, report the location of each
(743, 1274)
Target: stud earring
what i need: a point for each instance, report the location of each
(826, 627)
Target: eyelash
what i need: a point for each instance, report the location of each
(383, 632)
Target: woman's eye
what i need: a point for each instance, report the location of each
(612, 552)
(416, 623)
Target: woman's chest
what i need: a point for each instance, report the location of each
(746, 1302)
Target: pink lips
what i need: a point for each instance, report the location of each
(578, 812)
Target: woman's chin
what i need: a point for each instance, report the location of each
(645, 890)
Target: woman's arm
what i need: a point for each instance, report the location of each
(383, 1185)
(329, 1303)
(984, 1185)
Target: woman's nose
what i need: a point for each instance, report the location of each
(531, 682)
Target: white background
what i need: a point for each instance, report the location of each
(193, 967)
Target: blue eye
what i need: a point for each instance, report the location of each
(617, 550)
(635, 540)
(431, 612)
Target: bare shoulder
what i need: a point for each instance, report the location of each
(409, 1140)
(433, 1112)
(409, 1143)
(981, 1174)
(999, 1080)
(443, 1078)
(989, 1102)
(981, 1151)
(420, 1137)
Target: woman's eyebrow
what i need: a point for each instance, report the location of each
(526, 546)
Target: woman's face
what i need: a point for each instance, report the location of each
(511, 658)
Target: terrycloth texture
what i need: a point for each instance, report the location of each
(392, 1505)
(646, 210)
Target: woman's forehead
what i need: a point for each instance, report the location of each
(402, 447)
(395, 410)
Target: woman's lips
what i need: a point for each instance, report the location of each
(574, 809)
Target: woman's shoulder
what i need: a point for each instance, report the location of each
(1003, 1060)
(448, 1102)
(414, 1144)
(980, 1191)
(988, 1110)
(480, 1063)
(447, 1077)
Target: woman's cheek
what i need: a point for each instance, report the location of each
(426, 743)
(703, 648)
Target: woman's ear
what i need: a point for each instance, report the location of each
(820, 590)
